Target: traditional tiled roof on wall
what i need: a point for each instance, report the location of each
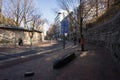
(18, 29)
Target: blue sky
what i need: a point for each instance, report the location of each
(47, 8)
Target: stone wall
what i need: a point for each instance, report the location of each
(107, 35)
(10, 37)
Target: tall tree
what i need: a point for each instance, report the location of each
(52, 31)
(19, 10)
(29, 9)
(37, 22)
(86, 9)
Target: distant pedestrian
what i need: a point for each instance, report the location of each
(30, 41)
(20, 42)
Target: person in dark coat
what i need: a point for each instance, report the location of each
(20, 42)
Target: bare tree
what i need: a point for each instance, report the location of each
(52, 31)
(85, 11)
(69, 5)
(19, 10)
(37, 22)
(83, 8)
(29, 9)
(89, 9)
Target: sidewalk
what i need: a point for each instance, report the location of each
(96, 63)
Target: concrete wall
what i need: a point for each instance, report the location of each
(10, 37)
(107, 35)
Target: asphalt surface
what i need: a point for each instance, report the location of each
(24, 54)
(5, 55)
(95, 63)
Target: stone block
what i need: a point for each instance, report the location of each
(29, 74)
(64, 60)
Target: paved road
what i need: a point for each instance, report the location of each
(95, 63)
(11, 58)
(6, 54)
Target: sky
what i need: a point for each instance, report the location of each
(47, 8)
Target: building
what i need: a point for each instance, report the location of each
(62, 23)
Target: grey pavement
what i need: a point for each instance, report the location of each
(9, 56)
(96, 63)
(18, 51)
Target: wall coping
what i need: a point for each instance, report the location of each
(18, 29)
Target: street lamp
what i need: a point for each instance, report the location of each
(63, 30)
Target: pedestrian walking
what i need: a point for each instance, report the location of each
(20, 42)
(30, 41)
